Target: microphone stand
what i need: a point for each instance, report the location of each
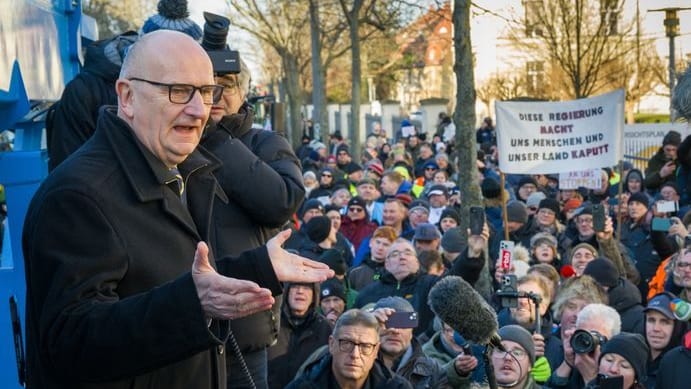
(489, 368)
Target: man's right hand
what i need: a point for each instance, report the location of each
(224, 297)
(668, 169)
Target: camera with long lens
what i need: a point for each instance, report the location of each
(584, 342)
(223, 59)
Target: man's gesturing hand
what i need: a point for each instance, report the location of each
(223, 297)
(294, 268)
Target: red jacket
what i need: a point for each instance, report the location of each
(357, 230)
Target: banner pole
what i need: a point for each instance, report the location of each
(504, 216)
(619, 192)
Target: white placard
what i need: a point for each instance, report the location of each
(591, 179)
(560, 137)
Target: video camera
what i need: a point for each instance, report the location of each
(223, 59)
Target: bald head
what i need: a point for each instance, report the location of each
(156, 51)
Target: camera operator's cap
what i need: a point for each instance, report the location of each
(632, 347)
(661, 303)
(394, 302)
(172, 15)
(640, 197)
(603, 271)
(426, 231)
(520, 335)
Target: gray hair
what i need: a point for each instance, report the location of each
(356, 317)
(602, 313)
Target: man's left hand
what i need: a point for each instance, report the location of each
(292, 267)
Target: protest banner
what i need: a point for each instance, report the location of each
(559, 137)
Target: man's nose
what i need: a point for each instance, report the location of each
(196, 106)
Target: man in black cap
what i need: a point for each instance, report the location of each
(333, 300)
(663, 164)
(427, 237)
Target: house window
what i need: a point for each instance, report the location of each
(535, 78)
(533, 27)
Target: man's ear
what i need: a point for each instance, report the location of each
(125, 96)
(332, 344)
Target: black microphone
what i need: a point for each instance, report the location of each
(463, 309)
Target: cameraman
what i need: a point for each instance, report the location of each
(262, 178)
(598, 323)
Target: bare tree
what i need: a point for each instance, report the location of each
(579, 37)
(116, 17)
(281, 25)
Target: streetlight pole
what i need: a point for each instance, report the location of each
(671, 23)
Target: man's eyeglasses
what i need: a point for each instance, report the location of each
(516, 353)
(355, 209)
(327, 175)
(183, 93)
(430, 169)
(347, 346)
(230, 88)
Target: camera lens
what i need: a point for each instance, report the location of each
(215, 31)
(583, 342)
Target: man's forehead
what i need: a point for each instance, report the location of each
(359, 333)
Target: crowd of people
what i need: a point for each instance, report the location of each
(168, 266)
(394, 231)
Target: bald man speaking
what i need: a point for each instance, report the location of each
(122, 291)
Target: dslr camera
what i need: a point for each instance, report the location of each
(584, 342)
(223, 59)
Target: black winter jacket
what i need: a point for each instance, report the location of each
(626, 299)
(72, 120)
(263, 181)
(110, 298)
(297, 339)
(319, 375)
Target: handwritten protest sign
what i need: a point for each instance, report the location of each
(591, 179)
(556, 137)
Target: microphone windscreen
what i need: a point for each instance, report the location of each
(462, 308)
